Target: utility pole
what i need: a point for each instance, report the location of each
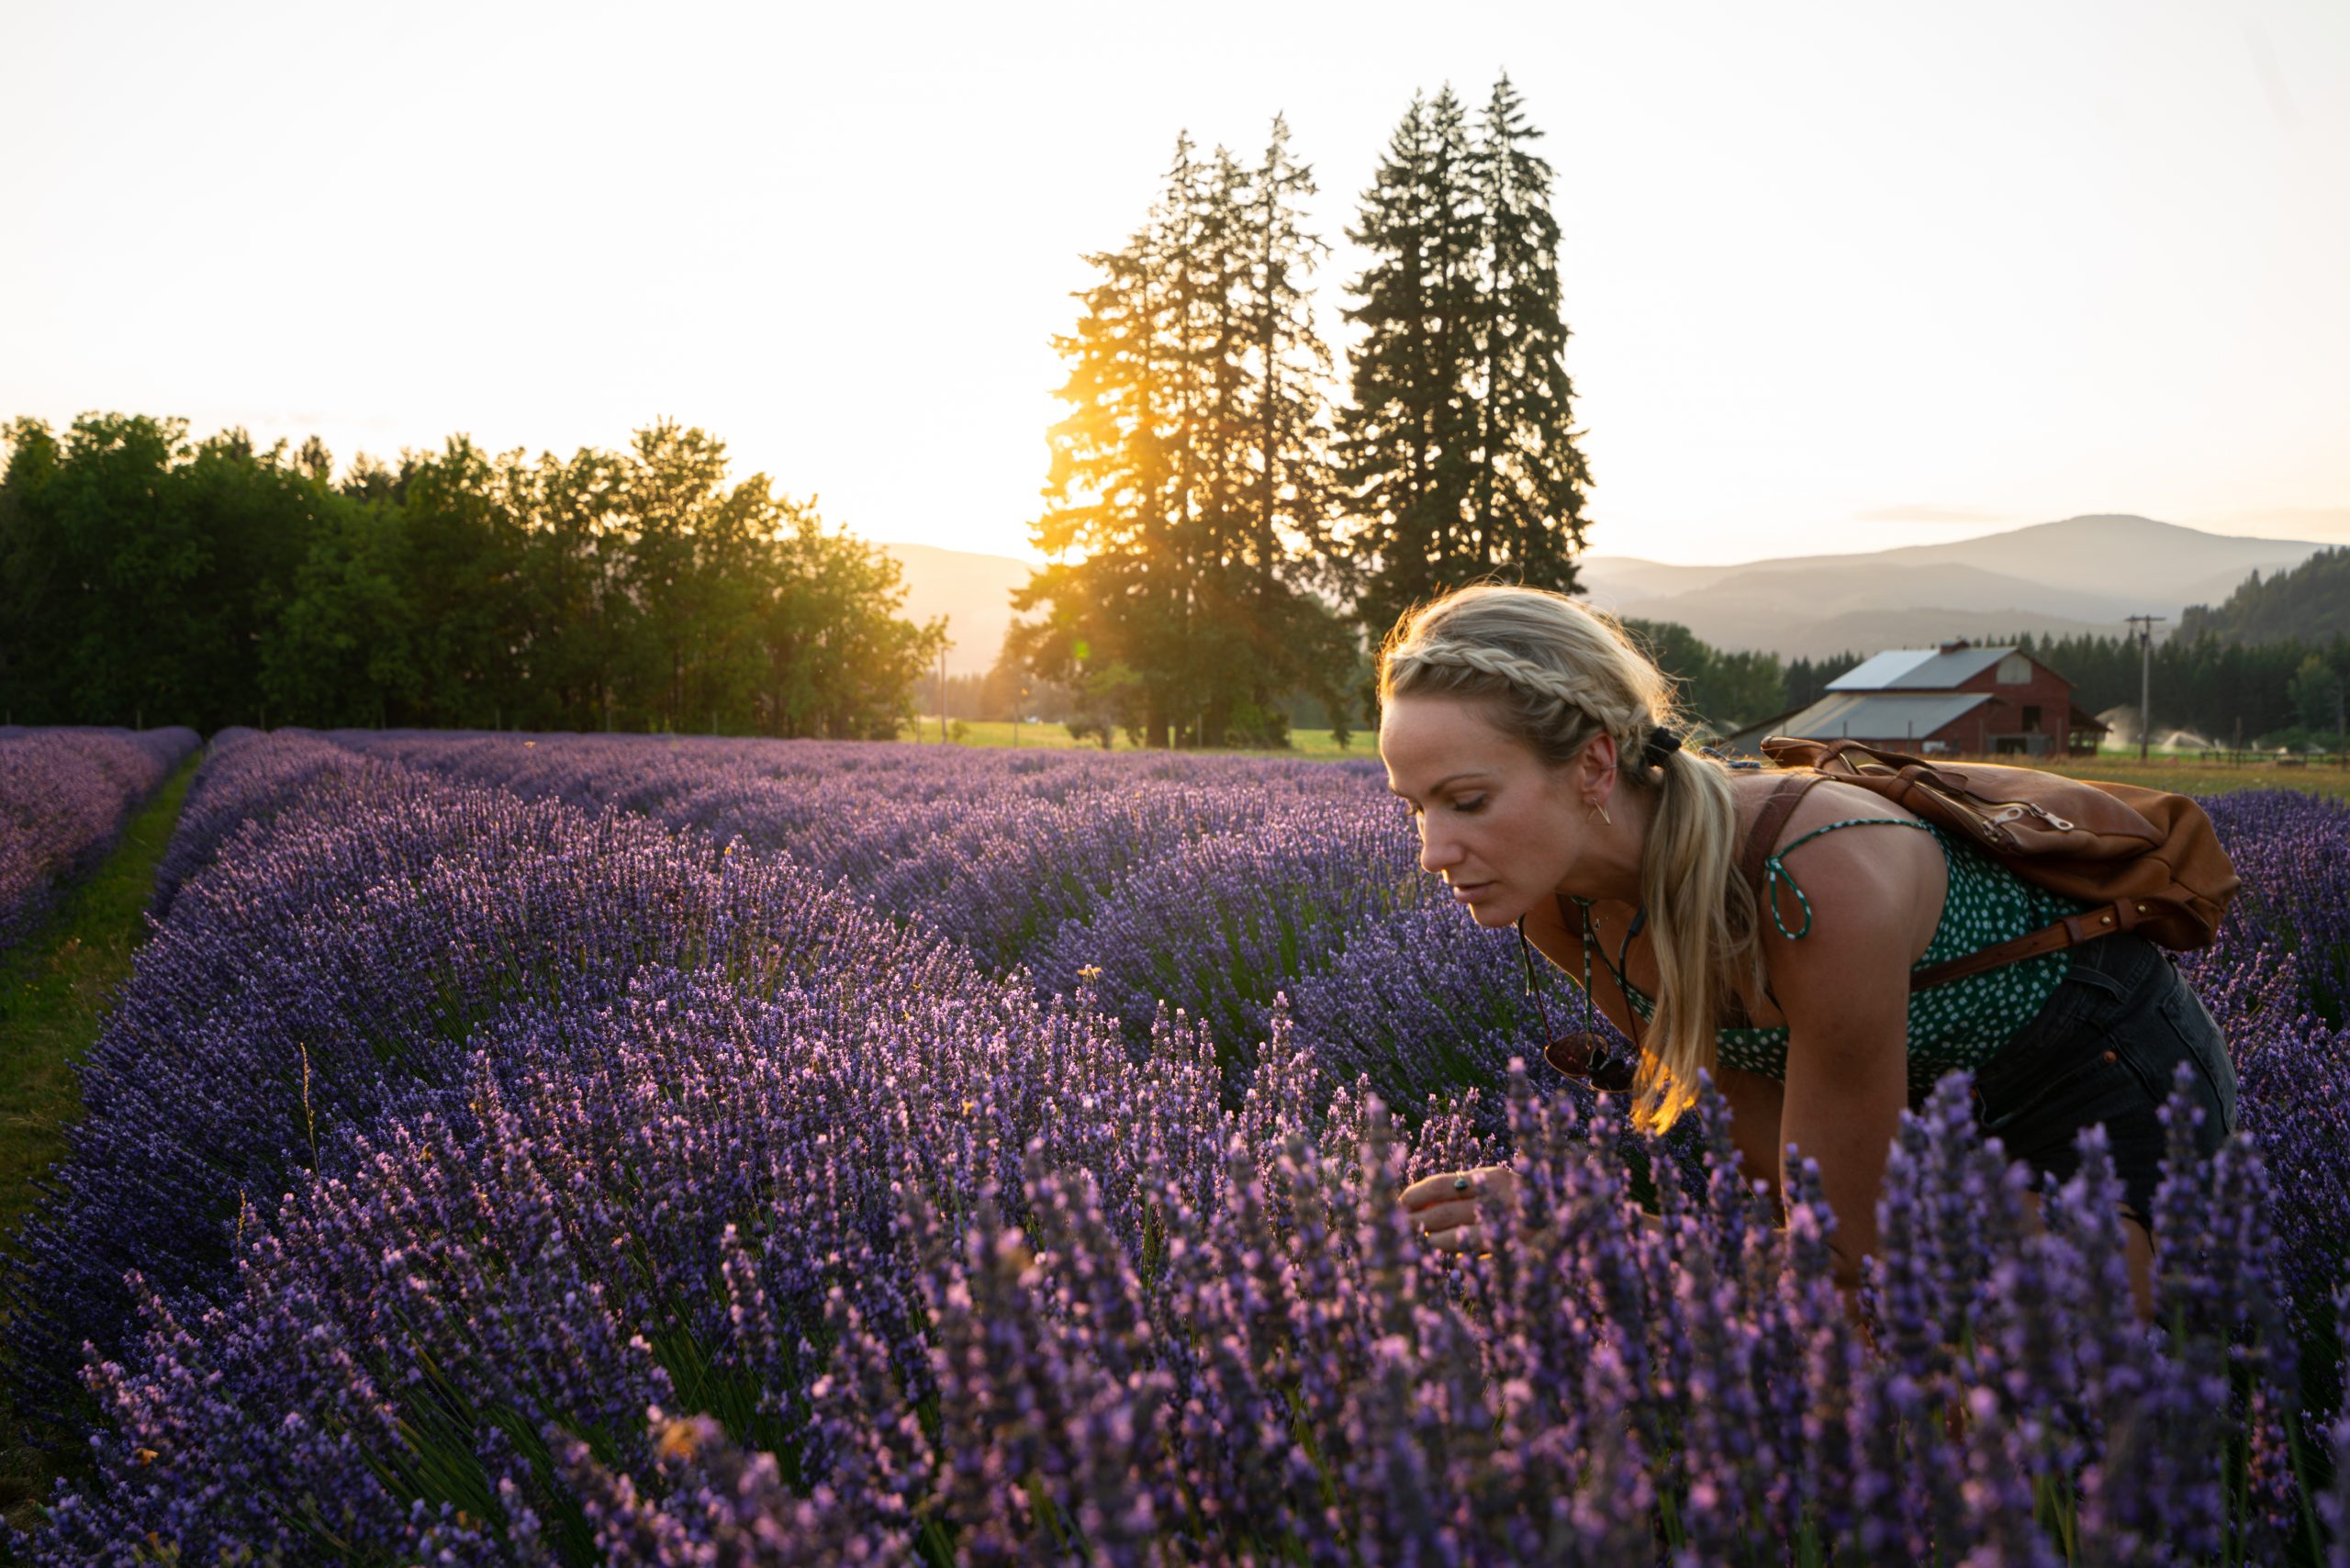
(941, 696)
(2146, 625)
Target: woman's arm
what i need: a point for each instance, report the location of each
(1844, 990)
(1844, 987)
(1756, 1106)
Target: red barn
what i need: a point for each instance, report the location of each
(1954, 699)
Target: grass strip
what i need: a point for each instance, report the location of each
(2189, 775)
(55, 988)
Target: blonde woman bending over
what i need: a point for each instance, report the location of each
(1540, 752)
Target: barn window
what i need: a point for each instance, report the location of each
(2032, 718)
(2014, 670)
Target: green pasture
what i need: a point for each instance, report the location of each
(2193, 776)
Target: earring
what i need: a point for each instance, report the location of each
(1602, 811)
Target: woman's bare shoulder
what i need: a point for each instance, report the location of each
(1884, 881)
(1829, 801)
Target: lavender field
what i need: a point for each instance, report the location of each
(584, 1149)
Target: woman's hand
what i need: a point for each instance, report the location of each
(1445, 1208)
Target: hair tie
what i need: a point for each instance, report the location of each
(1662, 744)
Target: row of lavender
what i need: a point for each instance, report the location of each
(64, 795)
(1214, 883)
(500, 1181)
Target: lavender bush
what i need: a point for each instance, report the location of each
(498, 1180)
(999, 849)
(248, 776)
(64, 797)
(2278, 982)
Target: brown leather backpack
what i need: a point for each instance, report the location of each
(2146, 860)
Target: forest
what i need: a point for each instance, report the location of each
(147, 580)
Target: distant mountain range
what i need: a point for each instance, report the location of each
(2084, 574)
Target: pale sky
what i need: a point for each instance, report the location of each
(1840, 276)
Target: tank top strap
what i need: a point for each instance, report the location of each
(1775, 872)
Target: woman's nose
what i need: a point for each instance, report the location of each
(1436, 850)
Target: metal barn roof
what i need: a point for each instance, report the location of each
(1918, 669)
(1865, 716)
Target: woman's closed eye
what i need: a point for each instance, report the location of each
(1468, 807)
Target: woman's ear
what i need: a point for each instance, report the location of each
(1596, 779)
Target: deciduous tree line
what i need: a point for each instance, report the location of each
(147, 578)
(1237, 530)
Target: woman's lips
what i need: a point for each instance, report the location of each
(1466, 893)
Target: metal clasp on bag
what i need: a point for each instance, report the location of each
(2015, 811)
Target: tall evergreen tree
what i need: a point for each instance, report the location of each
(1114, 491)
(1264, 631)
(1398, 435)
(1458, 447)
(1191, 471)
(1530, 475)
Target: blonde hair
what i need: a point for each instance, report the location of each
(1554, 676)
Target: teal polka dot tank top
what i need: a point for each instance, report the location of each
(1957, 1025)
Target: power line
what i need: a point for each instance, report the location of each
(2146, 625)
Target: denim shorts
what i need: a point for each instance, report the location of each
(2103, 1049)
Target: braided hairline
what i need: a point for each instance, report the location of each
(1519, 672)
(1505, 665)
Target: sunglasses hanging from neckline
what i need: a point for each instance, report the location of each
(1585, 1054)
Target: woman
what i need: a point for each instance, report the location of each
(1540, 752)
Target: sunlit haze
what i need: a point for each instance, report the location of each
(1840, 276)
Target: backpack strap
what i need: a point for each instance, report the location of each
(1754, 858)
(1772, 819)
(1768, 824)
(2069, 932)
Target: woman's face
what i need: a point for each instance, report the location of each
(1502, 829)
